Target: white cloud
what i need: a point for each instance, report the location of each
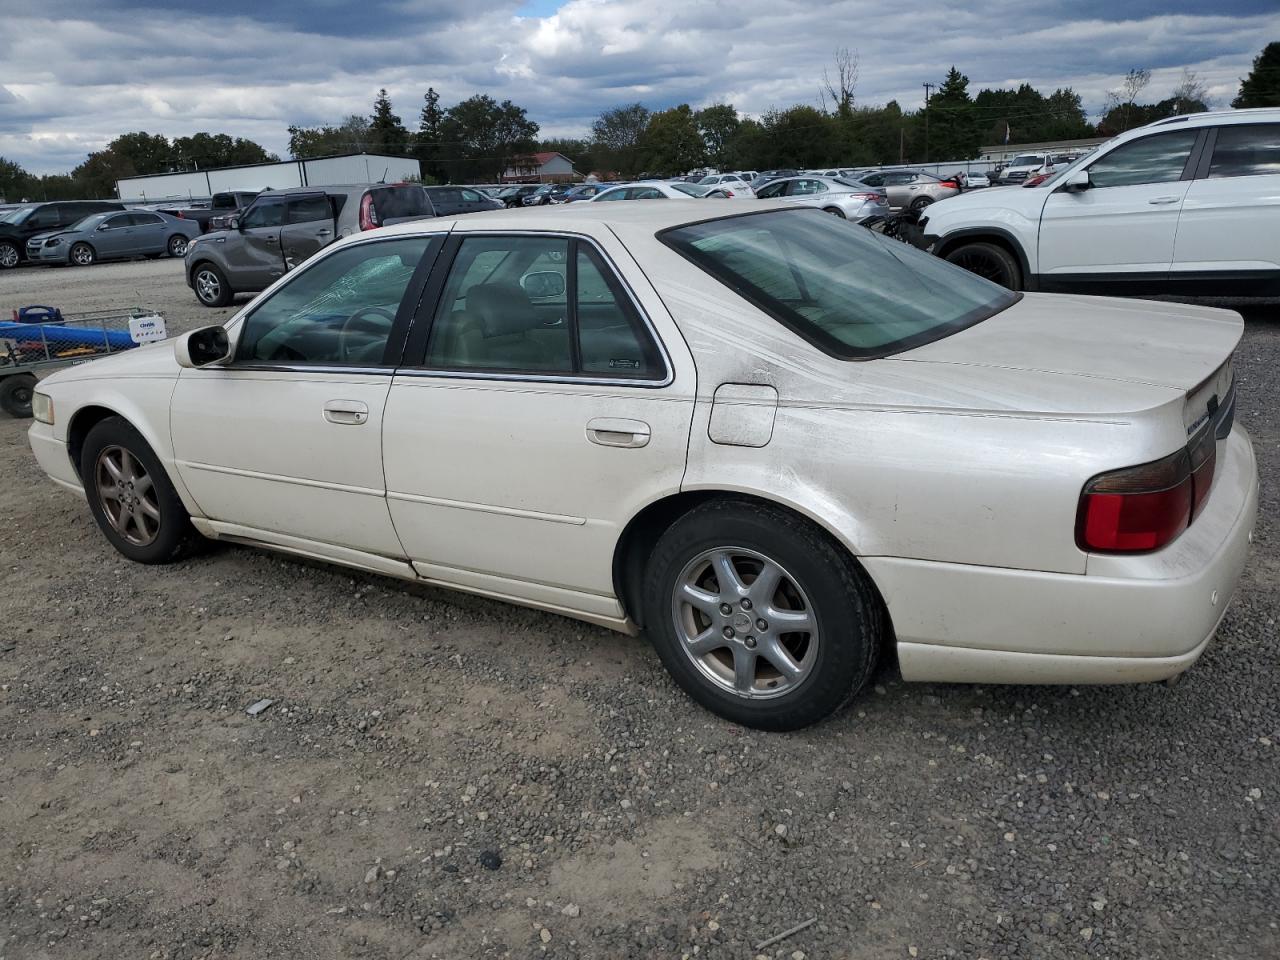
(69, 84)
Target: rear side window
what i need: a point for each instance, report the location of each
(846, 290)
(310, 209)
(1247, 151)
(395, 202)
(144, 219)
(1157, 159)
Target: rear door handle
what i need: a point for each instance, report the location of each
(1163, 200)
(324, 233)
(346, 412)
(618, 433)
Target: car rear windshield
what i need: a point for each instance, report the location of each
(1028, 160)
(852, 293)
(400, 201)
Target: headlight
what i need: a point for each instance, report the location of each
(53, 241)
(42, 407)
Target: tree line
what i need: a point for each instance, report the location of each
(477, 139)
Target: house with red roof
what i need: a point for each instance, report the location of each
(540, 168)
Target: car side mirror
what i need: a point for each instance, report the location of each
(545, 283)
(1077, 181)
(206, 347)
(233, 223)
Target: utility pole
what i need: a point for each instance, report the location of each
(927, 88)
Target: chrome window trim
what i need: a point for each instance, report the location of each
(465, 374)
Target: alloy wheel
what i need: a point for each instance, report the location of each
(127, 495)
(984, 265)
(178, 247)
(208, 286)
(745, 622)
(8, 255)
(82, 255)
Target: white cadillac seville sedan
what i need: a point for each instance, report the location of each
(778, 443)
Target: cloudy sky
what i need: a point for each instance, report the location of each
(74, 74)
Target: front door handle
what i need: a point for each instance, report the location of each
(346, 412)
(271, 238)
(324, 233)
(618, 433)
(1163, 200)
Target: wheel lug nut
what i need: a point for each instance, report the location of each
(750, 642)
(762, 626)
(728, 633)
(726, 609)
(746, 603)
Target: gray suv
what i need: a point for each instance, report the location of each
(282, 228)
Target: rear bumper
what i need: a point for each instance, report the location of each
(1130, 619)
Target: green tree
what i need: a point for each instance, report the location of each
(616, 136)
(351, 136)
(386, 133)
(1261, 88)
(128, 155)
(954, 133)
(672, 142)
(801, 136)
(482, 136)
(427, 147)
(14, 181)
(718, 125)
(203, 150)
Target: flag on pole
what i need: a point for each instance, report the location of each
(1006, 132)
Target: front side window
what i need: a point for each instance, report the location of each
(539, 306)
(115, 223)
(608, 195)
(144, 219)
(270, 214)
(1156, 159)
(771, 191)
(874, 180)
(1247, 151)
(338, 311)
(647, 193)
(846, 290)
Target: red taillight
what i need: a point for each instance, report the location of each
(948, 183)
(1143, 508)
(368, 215)
(874, 197)
(728, 193)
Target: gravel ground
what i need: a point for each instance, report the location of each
(441, 776)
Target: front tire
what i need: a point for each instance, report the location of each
(9, 255)
(211, 286)
(82, 255)
(990, 262)
(759, 616)
(15, 395)
(177, 246)
(131, 496)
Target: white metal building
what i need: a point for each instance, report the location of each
(322, 171)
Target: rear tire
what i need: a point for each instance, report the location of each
(989, 262)
(211, 286)
(15, 395)
(920, 203)
(82, 255)
(177, 246)
(746, 665)
(835, 212)
(131, 496)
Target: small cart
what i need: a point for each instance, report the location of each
(39, 340)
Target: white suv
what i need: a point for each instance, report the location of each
(1187, 206)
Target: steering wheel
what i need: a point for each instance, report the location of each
(352, 325)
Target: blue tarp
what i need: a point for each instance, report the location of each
(60, 336)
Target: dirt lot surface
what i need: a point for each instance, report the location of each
(441, 776)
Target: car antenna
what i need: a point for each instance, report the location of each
(385, 171)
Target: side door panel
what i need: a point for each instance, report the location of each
(114, 237)
(309, 226)
(1231, 215)
(148, 233)
(1122, 224)
(253, 254)
(287, 439)
(520, 483)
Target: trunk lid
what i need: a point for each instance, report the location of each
(1096, 338)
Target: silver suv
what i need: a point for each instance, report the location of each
(282, 228)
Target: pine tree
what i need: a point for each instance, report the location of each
(1261, 88)
(386, 133)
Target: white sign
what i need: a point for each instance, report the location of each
(146, 329)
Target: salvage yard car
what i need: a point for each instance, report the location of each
(282, 228)
(1186, 206)
(21, 224)
(779, 443)
(113, 236)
